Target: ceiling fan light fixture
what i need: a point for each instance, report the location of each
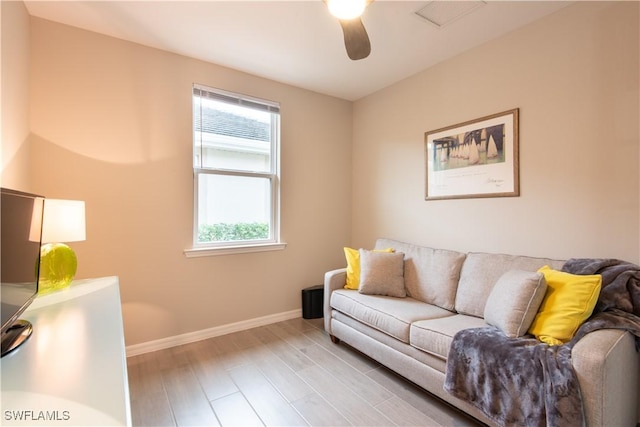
(346, 9)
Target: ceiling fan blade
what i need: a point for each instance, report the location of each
(356, 39)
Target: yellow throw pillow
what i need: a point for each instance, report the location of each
(353, 267)
(568, 302)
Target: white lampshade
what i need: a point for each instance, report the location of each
(346, 9)
(63, 221)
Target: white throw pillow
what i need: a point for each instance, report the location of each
(382, 273)
(514, 301)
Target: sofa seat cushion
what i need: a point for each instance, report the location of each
(481, 271)
(430, 275)
(435, 335)
(390, 315)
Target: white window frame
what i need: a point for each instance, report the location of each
(273, 175)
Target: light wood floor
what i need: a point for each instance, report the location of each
(287, 373)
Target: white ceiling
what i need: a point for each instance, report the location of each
(297, 42)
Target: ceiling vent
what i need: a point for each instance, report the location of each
(441, 13)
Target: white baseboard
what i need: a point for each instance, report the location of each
(161, 344)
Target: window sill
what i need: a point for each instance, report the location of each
(227, 250)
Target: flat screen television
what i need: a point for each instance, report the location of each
(21, 235)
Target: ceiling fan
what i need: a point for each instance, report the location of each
(356, 39)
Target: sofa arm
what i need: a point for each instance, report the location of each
(607, 366)
(333, 280)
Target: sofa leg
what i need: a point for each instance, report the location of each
(335, 340)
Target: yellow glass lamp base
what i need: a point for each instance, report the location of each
(58, 266)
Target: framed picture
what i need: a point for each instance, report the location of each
(478, 158)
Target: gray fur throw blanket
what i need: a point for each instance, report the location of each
(524, 382)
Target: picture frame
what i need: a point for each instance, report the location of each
(477, 158)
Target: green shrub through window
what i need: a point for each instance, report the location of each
(231, 232)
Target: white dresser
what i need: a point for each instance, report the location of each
(73, 369)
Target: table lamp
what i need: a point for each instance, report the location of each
(63, 221)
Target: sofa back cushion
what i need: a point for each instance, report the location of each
(481, 271)
(430, 275)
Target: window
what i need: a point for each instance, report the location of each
(236, 141)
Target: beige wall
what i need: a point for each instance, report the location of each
(14, 155)
(111, 125)
(574, 76)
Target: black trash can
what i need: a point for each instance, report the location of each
(312, 300)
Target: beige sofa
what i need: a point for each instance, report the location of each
(447, 292)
